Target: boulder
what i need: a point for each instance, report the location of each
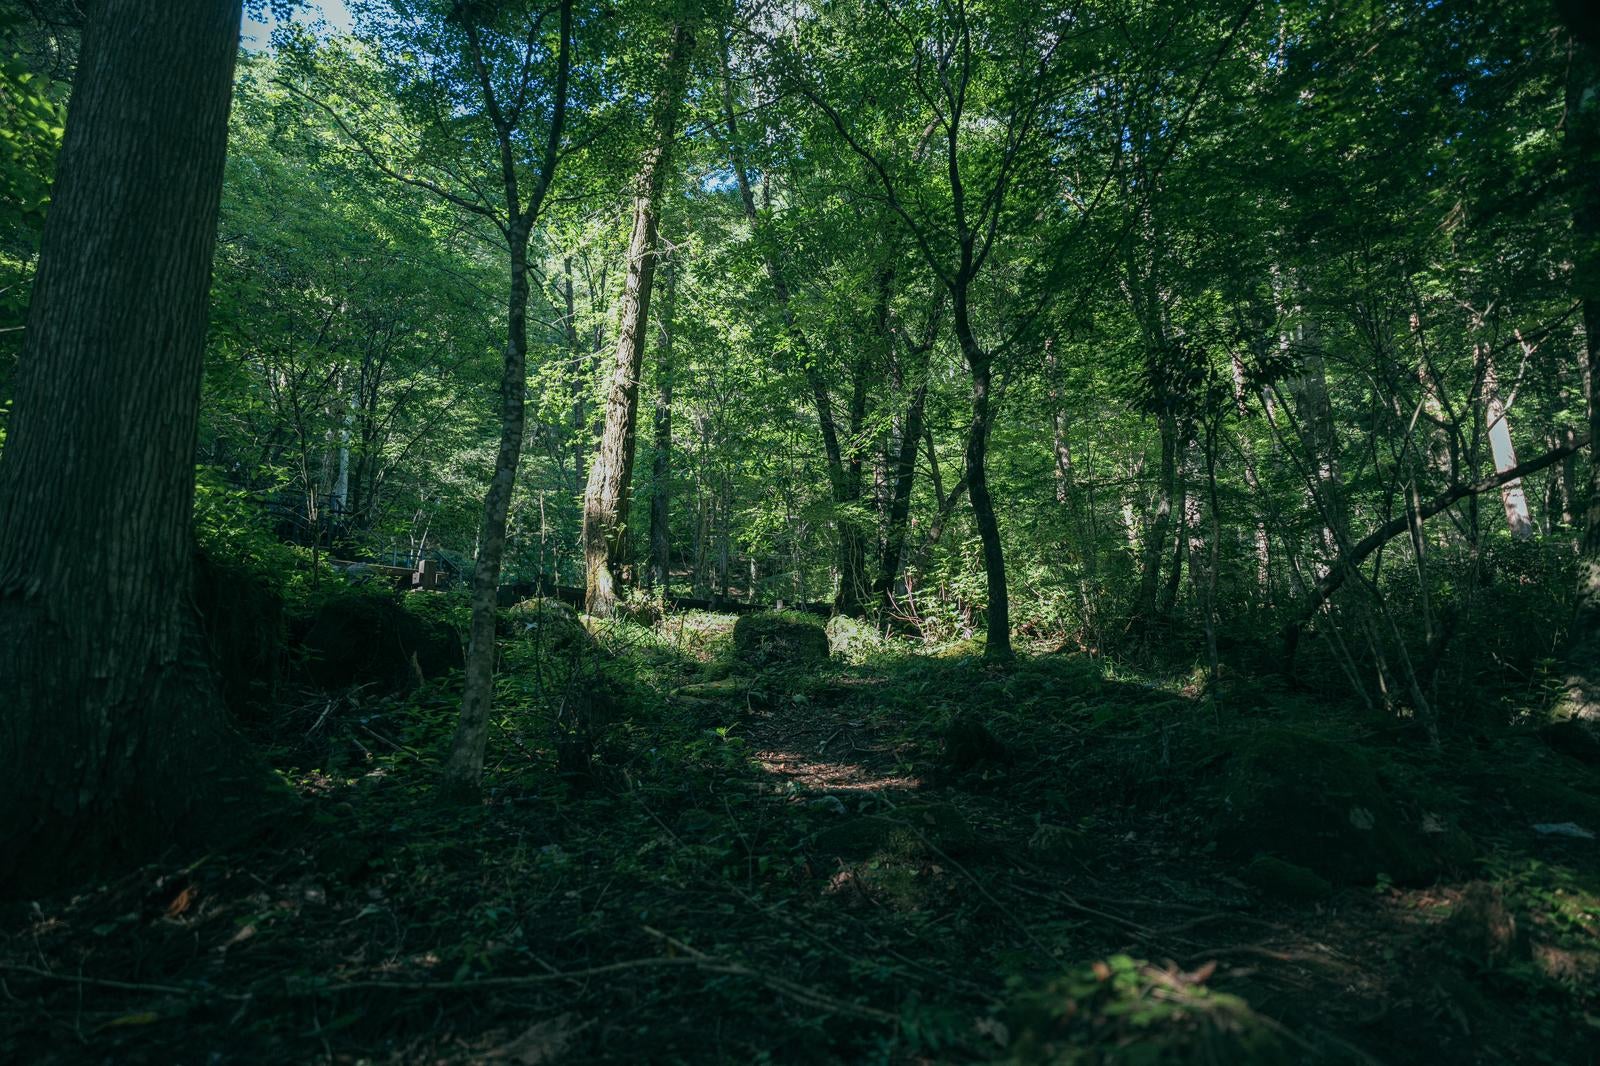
(1318, 803)
(780, 638)
(353, 637)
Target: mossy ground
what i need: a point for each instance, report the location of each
(783, 864)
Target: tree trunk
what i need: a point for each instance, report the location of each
(1155, 538)
(1582, 131)
(606, 500)
(849, 539)
(998, 632)
(1512, 497)
(905, 472)
(465, 766)
(113, 743)
(463, 770)
(660, 572)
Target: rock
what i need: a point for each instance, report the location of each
(1286, 880)
(969, 745)
(1317, 803)
(1574, 738)
(359, 637)
(547, 621)
(779, 639)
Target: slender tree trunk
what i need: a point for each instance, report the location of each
(606, 501)
(822, 401)
(904, 476)
(578, 379)
(1146, 607)
(998, 645)
(463, 770)
(465, 766)
(113, 742)
(1512, 497)
(661, 474)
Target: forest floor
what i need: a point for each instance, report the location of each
(795, 864)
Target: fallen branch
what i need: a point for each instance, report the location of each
(1348, 562)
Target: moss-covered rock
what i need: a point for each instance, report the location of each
(353, 636)
(970, 745)
(1286, 880)
(546, 621)
(780, 638)
(1318, 803)
(1122, 1010)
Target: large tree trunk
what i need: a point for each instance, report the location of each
(113, 742)
(1582, 124)
(606, 500)
(660, 572)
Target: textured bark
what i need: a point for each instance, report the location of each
(606, 500)
(113, 742)
(1582, 131)
(997, 647)
(463, 770)
(660, 572)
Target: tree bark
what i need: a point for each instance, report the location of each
(997, 647)
(113, 743)
(1581, 698)
(660, 572)
(606, 500)
(463, 771)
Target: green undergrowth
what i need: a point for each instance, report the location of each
(877, 855)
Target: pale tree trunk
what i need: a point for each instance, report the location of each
(660, 572)
(463, 770)
(606, 500)
(1512, 498)
(113, 743)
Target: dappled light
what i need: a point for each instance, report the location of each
(1036, 532)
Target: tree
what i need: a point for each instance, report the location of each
(607, 496)
(113, 742)
(489, 134)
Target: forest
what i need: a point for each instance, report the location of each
(800, 531)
